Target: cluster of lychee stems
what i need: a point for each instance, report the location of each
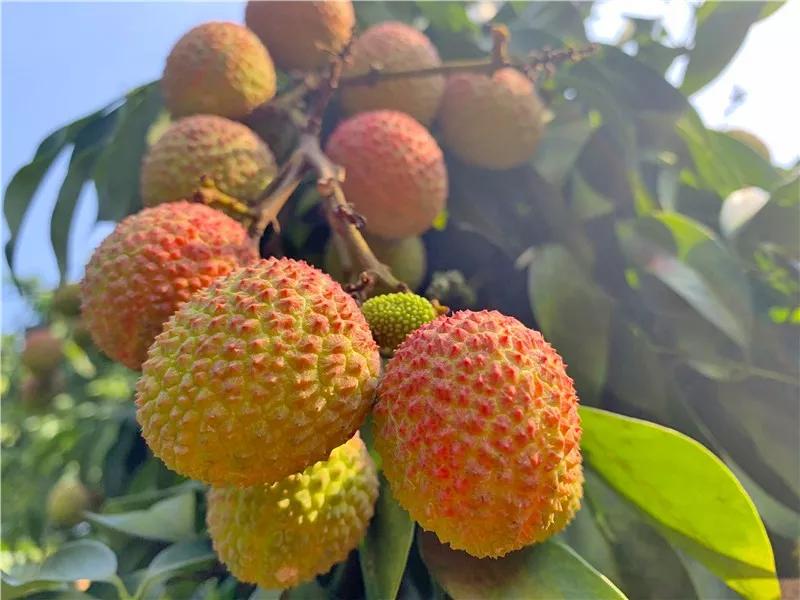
(308, 156)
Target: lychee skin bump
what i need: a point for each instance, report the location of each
(258, 376)
(391, 317)
(478, 428)
(152, 263)
(494, 122)
(288, 532)
(394, 46)
(225, 151)
(395, 174)
(218, 68)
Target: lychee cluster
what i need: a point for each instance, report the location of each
(257, 373)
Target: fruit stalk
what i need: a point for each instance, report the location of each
(544, 60)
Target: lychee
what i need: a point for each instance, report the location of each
(391, 317)
(494, 122)
(258, 376)
(218, 68)
(478, 428)
(228, 153)
(302, 35)
(281, 534)
(66, 502)
(67, 300)
(42, 351)
(152, 263)
(395, 172)
(394, 46)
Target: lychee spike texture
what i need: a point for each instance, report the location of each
(494, 122)
(285, 533)
(302, 35)
(152, 263)
(394, 46)
(229, 153)
(395, 174)
(392, 317)
(218, 68)
(258, 376)
(478, 428)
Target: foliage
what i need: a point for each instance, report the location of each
(636, 240)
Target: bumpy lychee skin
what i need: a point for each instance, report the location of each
(391, 317)
(229, 153)
(258, 376)
(42, 351)
(66, 502)
(494, 122)
(477, 424)
(302, 35)
(152, 263)
(406, 258)
(218, 68)
(394, 46)
(395, 172)
(285, 533)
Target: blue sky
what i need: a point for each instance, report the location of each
(62, 60)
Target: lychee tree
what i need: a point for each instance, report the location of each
(305, 425)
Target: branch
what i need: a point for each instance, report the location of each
(344, 222)
(544, 60)
(277, 194)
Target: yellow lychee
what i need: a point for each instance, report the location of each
(285, 533)
(218, 68)
(494, 122)
(258, 376)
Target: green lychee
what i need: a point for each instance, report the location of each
(67, 501)
(406, 258)
(391, 317)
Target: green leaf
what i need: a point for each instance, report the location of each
(183, 556)
(649, 567)
(180, 556)
(561, 145)
(773, 223)
(25, 182)
(574, 316)
(88, 145)
(170, 520)
(116, 174)
(548, 570)
(723, 163)
(82, 559)
(721, 29)
(688, 492)
(384, 550)
(689, 260)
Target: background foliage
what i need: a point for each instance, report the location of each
(658, 256)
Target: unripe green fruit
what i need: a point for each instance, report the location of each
(395, 174)
(494, 122)
(218, 68)
(67, 300)
(258, 376)
(67, 501)
(302, 35)
(42, 352)
(406, 258)
(288, 532)
(225, 151)
(477, 425)
(392, 317)
(394, 46)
